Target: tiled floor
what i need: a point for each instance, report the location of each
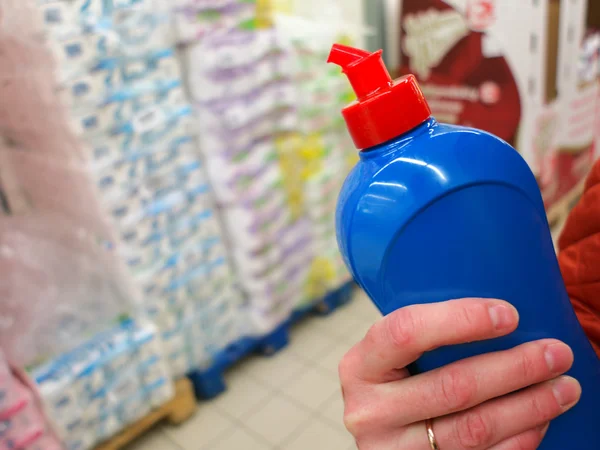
(291, 401)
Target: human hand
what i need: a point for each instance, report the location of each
(498, 401)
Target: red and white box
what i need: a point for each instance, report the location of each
(513, 68)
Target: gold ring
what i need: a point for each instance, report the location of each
(431, 435)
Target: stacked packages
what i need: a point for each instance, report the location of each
(274, 146)
(60, 279)
(105, 384)
(241, 84)
(328, 154)
(122, 82)
(111, 211)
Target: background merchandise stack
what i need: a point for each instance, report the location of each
(64, 280)
(109, 226)
(128, 104)
(110, 216)
(61, 282)
(104, 385)
(169, 173)
(239, 122)
(322, 148)
(244, 76)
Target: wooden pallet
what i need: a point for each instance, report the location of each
(176, 411)
(558, 213)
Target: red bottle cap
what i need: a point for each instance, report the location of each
(385, 109)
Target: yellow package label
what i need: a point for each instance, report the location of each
(322, 276)
(312, 153)
(344, 39)
(296, 209)
(352, 159)
(288, 142)
(265, 9)
(264, 13)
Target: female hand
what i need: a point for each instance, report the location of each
(498, 401)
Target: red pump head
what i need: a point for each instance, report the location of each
(385, 109)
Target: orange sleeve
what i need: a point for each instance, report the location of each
(579, 257)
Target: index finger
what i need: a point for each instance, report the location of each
(400, 338)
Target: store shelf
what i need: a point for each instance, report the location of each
(176, 411)
(210, 383)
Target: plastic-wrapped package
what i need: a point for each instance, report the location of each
(46, 185)
(104, 384)
(122, 85)
(23, 428)
(29, 114)
(110, 215)
(321, 145)
(249, 103)
(14, 396)
(48, 305)
(196, 19)
(269, 128)
(22, 423)
(61, 278)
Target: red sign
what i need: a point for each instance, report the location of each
(481, 14)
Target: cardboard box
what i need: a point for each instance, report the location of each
(513, 68)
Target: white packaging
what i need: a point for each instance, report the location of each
(160, 392)
(134, 408)
(249, 265)
(146, 342)
(87, 88)
(57, 14)
(125, 386)
(83, 441)
(106, 426)
(228, 171)
(96, 406)
(59, 394)
(92, 379)
(74, 51)
(266, 234)
(179, 363)
(174, 340)
(152, 370)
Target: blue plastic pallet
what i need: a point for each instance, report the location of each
(210, 383)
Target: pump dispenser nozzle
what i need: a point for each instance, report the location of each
(344, 56)
(365, 71)
(385, 109)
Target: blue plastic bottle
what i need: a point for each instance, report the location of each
(434, 212)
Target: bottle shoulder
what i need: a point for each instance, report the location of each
(444, 158)
(412, 171)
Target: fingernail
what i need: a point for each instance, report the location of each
(503, 316)
(559, 357)
(567, 391)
